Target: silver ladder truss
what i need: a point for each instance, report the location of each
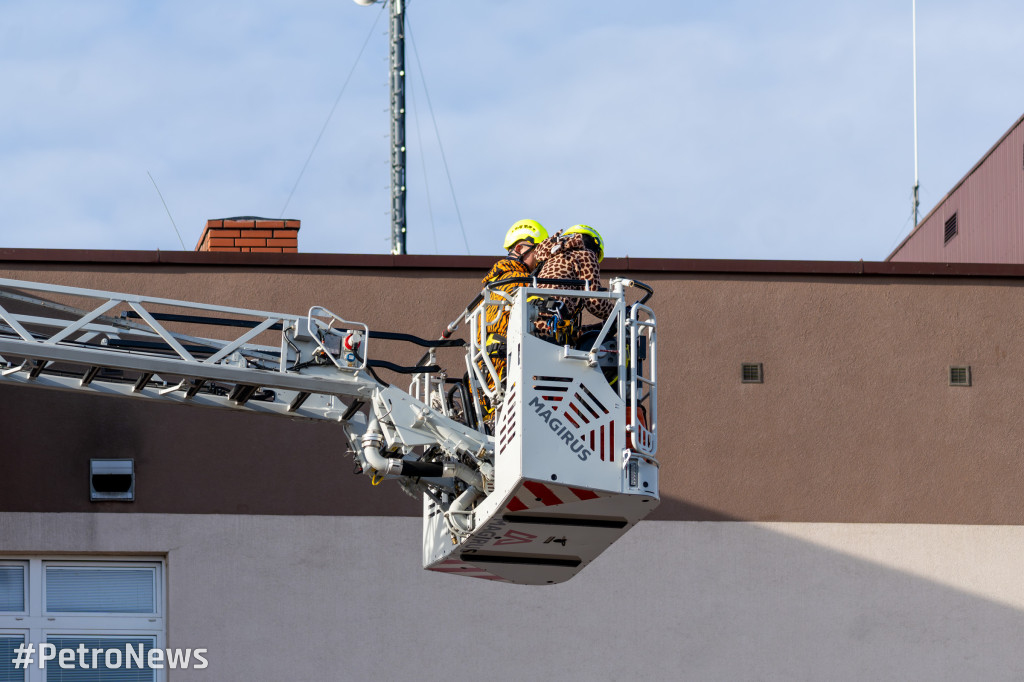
(126, 345)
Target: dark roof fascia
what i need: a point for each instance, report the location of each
(231, 259)
(957, 186)
(680, 266)
(811, 268)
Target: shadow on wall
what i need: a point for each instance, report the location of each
(743, 601)
(276, 597)
(675, 509)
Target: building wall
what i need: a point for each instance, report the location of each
(866, 515)
(340, 598)
(989, 207)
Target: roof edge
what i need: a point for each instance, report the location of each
(625, 265)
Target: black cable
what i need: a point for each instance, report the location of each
(336, 100)
(437, 132)
(423, 164)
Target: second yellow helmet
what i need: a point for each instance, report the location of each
(593, 234)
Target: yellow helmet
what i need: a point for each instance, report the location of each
(525, 229)
(588, 231)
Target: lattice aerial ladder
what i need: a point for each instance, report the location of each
(524, 479)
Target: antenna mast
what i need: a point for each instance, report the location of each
(917, 183)
(396, 31)
(397, 34)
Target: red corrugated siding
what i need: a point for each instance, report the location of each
(989, 203)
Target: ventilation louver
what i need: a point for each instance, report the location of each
(752, 373)
(960, 376)
(951, 228)
(112, 479)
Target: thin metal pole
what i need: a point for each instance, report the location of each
(917, 183)
(397, 33)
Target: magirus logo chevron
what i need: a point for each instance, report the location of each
(561, 429)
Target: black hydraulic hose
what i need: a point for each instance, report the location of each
(462, 386)
(201, 319)
(401, 369)
(369, 368)
(158, 346)
(646, 287)
(581, 284)
(422, 469)
(426, 343)
(512, 280)
(533, 280)
(560, 282)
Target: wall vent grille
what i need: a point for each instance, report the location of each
(752, 373)
(111, 479)
(960, 376)
(951, 228)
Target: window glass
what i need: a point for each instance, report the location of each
(124, 669)
(89, 589)
(8, 643)
(12, 588)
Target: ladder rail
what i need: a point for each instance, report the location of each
(134, 298)
(111, 326)
(93, 340)
(645, 439)
(325, 410)
(338, 383)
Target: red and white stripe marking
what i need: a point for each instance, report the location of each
(459, 567)
(534, 495)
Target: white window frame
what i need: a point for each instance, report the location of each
(37, 625)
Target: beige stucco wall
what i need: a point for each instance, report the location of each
(280, 598)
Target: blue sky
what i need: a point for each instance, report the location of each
(680, 129)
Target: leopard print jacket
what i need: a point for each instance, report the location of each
(568, 258)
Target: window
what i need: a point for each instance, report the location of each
(71, 602)
(122, 673)
(12, 586)
(100, 589)
(8, 643)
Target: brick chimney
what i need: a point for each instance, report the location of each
(250, 234)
